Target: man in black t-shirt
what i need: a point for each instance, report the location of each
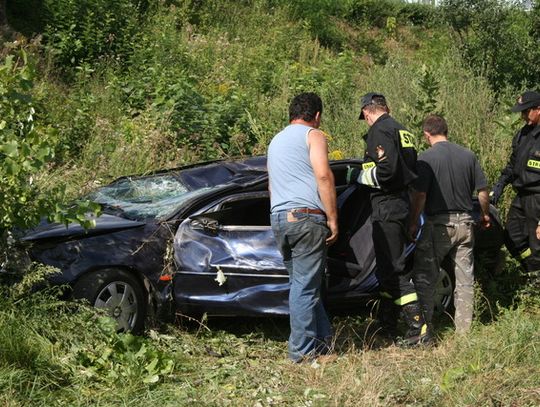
(448, 175)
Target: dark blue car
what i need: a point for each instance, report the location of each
(198, 240)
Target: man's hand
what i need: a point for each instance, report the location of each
(333, 226)
(413, 231)
(483, 200)
(485, 222)
(538, 232)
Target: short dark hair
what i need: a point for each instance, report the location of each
(435, 125)
(305, 106)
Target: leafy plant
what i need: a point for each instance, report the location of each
(27, 144)
(80, 31)
(427, 93)
(123, 356)
(419, 14)
(375, 13)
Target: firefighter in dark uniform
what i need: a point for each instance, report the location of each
(522, 230)
(388, 169)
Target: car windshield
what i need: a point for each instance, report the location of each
(142, 198)
(160, 195)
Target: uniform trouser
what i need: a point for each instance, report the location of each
(389, 219)
(446, 236)
(520, 230)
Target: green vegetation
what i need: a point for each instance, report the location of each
(92, 90)
(27, 141)
(56, 354)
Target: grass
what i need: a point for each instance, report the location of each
(56, 354)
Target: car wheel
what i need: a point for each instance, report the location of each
(119, 293)
(444, 292)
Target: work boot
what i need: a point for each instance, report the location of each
(419, 332)
(387, 318)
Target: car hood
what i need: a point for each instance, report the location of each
(105, 223)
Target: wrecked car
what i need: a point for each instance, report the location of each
(198, 240)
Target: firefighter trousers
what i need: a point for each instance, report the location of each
(520, 230)
(389, 217)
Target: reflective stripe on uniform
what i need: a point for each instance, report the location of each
(406, 299)
(525, 253)
(368, 176)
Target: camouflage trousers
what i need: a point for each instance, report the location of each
(447, 238)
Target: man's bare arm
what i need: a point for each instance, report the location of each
(318, 155)
(483, 200)
(418, 202)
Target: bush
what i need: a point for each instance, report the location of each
(80, 31)
(374, 13)
(26, 145)
(495, 39)
(418, 14)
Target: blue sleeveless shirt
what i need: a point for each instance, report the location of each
(292, 182)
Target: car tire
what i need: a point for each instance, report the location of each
(118, 292)
(444, 292)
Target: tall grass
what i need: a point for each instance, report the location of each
(55, 353)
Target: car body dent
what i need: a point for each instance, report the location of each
(256, 278)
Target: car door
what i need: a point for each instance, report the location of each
(227, 261)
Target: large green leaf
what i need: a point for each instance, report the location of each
(10, 149)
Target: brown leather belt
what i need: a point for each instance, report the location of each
(307, 210)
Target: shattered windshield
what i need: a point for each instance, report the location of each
(141, 198)
(160, 195)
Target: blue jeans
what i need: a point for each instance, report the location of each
(301, 239)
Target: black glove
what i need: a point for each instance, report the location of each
(352, 174)
(496, 193)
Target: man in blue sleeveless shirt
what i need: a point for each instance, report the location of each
(304, 221)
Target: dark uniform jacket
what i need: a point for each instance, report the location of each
(390, 160)
(523, 168)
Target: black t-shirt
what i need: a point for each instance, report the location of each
(449, 174)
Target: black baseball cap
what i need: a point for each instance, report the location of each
(526, 101)
(367, 99)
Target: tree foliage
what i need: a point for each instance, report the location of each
(27, 143)
(497, 39)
